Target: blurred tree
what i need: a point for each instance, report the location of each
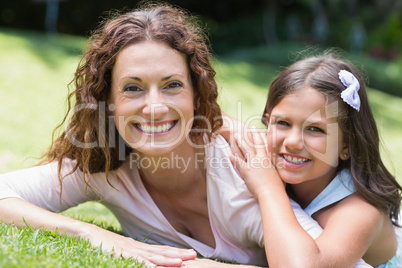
(52, 14)
(356, 25)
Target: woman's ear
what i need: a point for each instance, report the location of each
(344, 154)
(110, 107)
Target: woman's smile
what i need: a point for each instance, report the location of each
(154, 97)
(154, 128)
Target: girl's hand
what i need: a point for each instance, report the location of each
(255, 164)
(230, 128)
(150, 255)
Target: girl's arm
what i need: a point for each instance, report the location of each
(30, 195)
(347, 233)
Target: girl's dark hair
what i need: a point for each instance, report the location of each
(370, 176)
(89, 125)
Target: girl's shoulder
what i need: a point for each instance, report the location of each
(355, 219)
(339, 188)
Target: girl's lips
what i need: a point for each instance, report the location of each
(156, 128)
(293, 161)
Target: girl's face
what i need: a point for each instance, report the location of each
(305, 138)
(152, 97)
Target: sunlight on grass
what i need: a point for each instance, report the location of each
(33, 93)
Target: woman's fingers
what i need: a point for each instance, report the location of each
(154, 255)
(167, 256)
(183, 254)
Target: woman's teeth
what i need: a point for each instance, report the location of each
(156, 129)
(295, 160)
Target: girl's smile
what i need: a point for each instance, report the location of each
(306, 145)
(294, 161)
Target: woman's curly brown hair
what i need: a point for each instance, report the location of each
(91, 138)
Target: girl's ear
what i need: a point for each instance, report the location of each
(266, 119)
(344, 154)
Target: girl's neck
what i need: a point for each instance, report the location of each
(305, 192)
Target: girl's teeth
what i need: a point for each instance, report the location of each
(294, 160)
(154, 129)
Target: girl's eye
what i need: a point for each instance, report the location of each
(316, 129)
(281, 122)
(132, 88)
(174, 84)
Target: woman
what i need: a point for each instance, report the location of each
(140, 140)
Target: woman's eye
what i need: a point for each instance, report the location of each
(174, 84)
(132, 88)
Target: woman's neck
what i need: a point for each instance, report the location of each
(174, 172)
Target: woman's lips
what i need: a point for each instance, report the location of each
(155, 128)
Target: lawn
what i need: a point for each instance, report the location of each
(35, 72)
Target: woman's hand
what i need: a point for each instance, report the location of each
(255, 164)
(150, 255)
(207, 263)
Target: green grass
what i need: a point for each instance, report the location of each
(35, 72)
(21, 247)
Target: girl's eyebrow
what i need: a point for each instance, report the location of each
(317, 122)
(277, 116)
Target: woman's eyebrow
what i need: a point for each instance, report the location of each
(134, 78)
(163, 79)
(170, 76)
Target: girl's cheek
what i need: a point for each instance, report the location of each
(274, 138)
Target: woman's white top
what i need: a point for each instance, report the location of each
(233, 212)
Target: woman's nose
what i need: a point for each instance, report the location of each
(154, 106)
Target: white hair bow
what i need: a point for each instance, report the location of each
(350, 95)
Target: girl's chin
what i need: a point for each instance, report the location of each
(290, 178)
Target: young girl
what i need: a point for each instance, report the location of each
(324, 144)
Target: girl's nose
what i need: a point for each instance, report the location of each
(294, 140)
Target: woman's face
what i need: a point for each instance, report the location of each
(153, 97)
(305, 137)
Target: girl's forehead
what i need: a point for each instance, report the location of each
(307, 104)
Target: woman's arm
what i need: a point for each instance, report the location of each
(344, 240)
(206, 263)
(18, 211)
(30, 195)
